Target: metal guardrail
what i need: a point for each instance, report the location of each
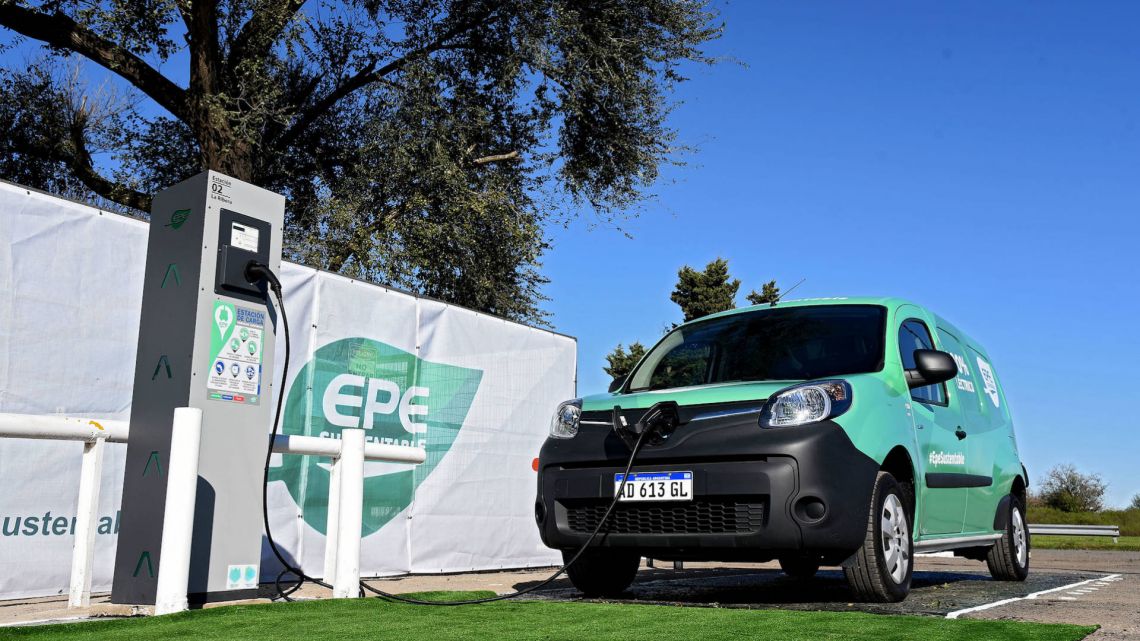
(1076, 530)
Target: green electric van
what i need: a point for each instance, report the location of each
(851, 432)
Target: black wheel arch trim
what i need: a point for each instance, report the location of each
(1001, 517)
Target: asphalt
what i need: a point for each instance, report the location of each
(1094, 588)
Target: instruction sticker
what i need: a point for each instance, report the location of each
(235, 344)
(244, 237)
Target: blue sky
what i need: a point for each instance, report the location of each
(978, 158)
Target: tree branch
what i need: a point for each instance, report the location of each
(261, 30)
(59, 30)
(80, 162)
(371, 74)
(510, 155)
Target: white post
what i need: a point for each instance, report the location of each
(347, 582)
(332, 521)
(86, 522)
(178, 518)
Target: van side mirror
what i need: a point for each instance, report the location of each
(930, 367)
(616, 384)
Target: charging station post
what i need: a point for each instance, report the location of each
(206, 340)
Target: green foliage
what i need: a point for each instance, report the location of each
(425, 144)
(768, 294)
(700, 293)
(373, 619)
(1135, 505)
(1069, 490)
(621, 362)
(1127, 520)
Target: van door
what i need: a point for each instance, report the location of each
(940, 450)
(966, 391)
(989, 437)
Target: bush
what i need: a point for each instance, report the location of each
(1068, 490)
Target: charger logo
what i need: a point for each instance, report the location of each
(395, 397)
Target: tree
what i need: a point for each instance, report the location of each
(1135, 502)
(621, 363)
(1068, 490)
(700, 293)
(422, 144)
(769, 293)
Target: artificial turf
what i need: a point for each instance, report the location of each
(362, 619)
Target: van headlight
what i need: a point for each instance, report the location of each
(565, 421)
(806, 403)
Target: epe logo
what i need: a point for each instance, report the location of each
(396, 398)
(178, 218)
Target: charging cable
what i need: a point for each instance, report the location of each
(256, 272)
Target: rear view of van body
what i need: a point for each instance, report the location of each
(853, 432)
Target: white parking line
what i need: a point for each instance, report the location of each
(957, 613)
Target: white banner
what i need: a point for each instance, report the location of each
(475, 390)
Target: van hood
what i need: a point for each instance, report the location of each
(697, 395)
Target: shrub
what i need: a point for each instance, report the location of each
(1068, 490)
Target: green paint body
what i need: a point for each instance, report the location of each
(884, 417)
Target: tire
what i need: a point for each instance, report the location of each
(880, 570)
(799, 567)
(1008, 559)
(602, 572)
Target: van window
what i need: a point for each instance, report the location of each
(774, 344)
(989, 393)
(967, 389)
(914, 335)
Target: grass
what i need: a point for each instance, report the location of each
(361, 619)
(1126, 544)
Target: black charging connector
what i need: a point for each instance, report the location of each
(256, 272)
(657, 422)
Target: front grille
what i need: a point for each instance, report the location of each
(700, 516)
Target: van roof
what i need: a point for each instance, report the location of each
(886, 301)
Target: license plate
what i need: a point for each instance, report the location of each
(655, 486)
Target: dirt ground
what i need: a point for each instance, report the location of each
(1108, 593)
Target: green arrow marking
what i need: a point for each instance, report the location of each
(163, 361)
(145, 556)
(157, 463)
(178, 218)
(172, 268)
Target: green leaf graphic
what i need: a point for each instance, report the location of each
(433, 398)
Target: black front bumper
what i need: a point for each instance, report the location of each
(757, 493)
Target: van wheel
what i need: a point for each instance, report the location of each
(602, 572)
(1008, 559)
(880, 570)
(799, 567)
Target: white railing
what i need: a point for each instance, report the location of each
(345, 511)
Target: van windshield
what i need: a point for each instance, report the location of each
(777, 344)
